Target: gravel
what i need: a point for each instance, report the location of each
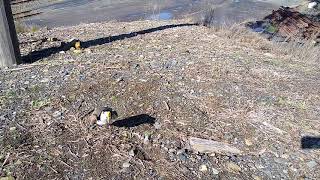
(216, 86)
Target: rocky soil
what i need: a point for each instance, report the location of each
(169, 86)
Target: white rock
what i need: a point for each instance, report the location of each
(209, 146)
(215, 171)
(233, 167)
(126, 165)
(312, 164)
(45, 80)
(203, 168)
(312, 5)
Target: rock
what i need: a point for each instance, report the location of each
(233, 167)
(157, 125)
(256, 177)
(126, 165)
(209, 146)
(312, 5)
(93, 119)
(183, 156)
(203, 168)
(284, 156)
(57, 114)
(131, 152)
(269, 55)
(13, 129)
(248, 142)
(119, 80)
(146, 138)
(88, 51)
(48, 109)
(215, 171)
(312, 164)
(45, 80)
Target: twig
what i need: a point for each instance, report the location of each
(167, 105)
(53, 169)
(5, 161)
(65, 163)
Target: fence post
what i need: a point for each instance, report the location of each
(9, 45)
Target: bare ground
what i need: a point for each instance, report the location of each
(194, 81)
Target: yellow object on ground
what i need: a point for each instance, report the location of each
(78, 45)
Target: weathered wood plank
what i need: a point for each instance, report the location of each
(9, 45)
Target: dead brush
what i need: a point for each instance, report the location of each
(305, 50)
(240, 34)
(302, 50)
(208, 18)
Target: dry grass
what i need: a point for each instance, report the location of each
(23, 28)
(304, 51)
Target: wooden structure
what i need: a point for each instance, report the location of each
(9, 45)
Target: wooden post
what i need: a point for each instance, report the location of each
(9, 45)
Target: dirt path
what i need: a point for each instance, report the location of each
(191, 80)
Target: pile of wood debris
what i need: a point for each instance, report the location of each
(290, 24)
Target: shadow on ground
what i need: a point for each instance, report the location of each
(43, 53)
(135, 121)
(309, 142)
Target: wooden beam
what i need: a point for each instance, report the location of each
(9, 45)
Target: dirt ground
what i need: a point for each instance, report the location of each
(172, 82)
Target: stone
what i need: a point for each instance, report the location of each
(183, 156)
(312, 164)
(57, 114)
(88, 51)
(157, 125)
(131, 152)
(203, 168)
(126, 165)
(209, 146)
(248, 142)
(93, 119)
(255, 177)
(215, 171)
(233, 167)
(45, 80)
(312, 5)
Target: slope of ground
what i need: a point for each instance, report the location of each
(191, 80)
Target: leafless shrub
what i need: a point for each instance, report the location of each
(208, 18)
